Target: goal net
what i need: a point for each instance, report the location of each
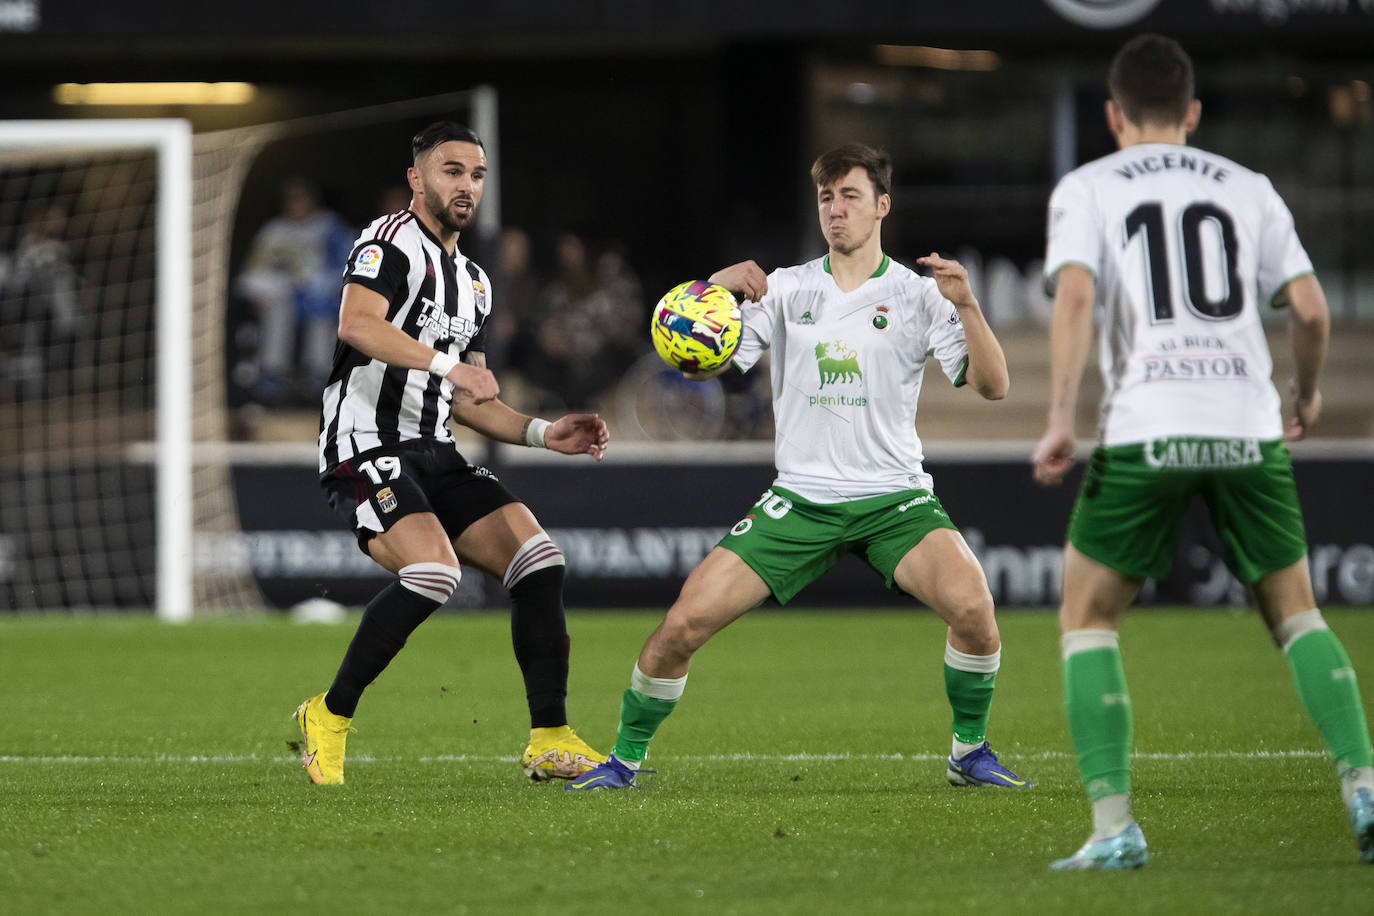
(95, 297)
(114, 424)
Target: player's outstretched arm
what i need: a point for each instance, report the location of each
(1070, 337)
(1311, 328)
(363, 326)
(574, 434)
(987, 364)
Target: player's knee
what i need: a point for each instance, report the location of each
(971, 616)
(536, 554)
(681, 634)
(435, 581)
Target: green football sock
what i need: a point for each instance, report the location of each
(640, 717)
(1099, 712)
(969, 681)
(1328, 690)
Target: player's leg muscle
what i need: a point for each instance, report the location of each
(491, 542)
(942, 572)
(1095, 596)
(417, 538)
(721, 589)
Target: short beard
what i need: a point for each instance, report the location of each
(442, 216)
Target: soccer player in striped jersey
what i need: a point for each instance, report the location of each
(1181, 248)
(852, 334)
(412, 326)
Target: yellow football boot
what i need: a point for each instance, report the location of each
(322, 750)
(557, 753)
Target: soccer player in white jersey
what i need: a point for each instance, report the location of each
(411, 355)
(1182, 249)
(852, 334)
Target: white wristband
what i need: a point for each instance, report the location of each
(534, 433)
(442, 364)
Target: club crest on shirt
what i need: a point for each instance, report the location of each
(386, 499)
(880, 321)
(806, 318)
(479, 293)
(368, 263)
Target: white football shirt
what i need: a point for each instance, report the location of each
(1184, 245)
(846, 372)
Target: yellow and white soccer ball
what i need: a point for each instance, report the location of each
(696, 326)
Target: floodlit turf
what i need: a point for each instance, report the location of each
(144, 769)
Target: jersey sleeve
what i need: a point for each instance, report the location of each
(380, 266)
(760, 323)
(1281, 255)
(945, 334)
(478, 344)
(1070, 231)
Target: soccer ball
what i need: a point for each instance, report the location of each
(696, 326)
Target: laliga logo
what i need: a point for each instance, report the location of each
(1103, 14)
(369, 255)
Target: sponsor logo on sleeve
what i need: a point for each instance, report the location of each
(368, 263)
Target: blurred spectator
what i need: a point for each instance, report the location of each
(511, 333)
(39, 309)
(292, 279)
(393, 199)
(589, 330)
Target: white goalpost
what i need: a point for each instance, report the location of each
(115, 237)
(44, 143)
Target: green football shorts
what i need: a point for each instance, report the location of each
(1133, 497)
(790, 541)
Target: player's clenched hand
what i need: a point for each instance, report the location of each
(1305, 414)
(1053, 456)
(579, 434)
(951, 277)
(473, 382)
(746, 278)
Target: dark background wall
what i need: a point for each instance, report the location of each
(684, 128)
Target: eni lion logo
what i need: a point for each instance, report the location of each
(838, 365)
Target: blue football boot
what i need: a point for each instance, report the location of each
(609, 775)
(979, 767)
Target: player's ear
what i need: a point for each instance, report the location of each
(884, 205)
(1116, 118)
(1193, 116)
(413, 178)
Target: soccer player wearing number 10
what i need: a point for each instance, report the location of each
(852, 334)
(1176, 243)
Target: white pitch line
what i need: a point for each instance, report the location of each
(841, 757)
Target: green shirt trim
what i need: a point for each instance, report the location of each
(959, 380)
(1278, 300)
(882, 267)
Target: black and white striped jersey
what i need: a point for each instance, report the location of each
(439, 299)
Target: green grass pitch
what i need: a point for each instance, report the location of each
(144, 769)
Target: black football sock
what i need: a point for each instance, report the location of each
(389, 619)
(539, 633)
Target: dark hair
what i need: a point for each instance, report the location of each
(1151, 78)
(838, 163)
(442, 132)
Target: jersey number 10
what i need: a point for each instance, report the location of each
(1150, 217)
